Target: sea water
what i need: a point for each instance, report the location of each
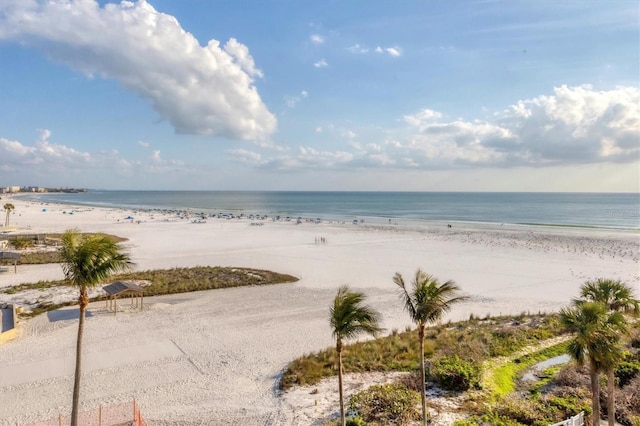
(563, 209)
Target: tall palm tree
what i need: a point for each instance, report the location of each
(8, 207)
(596, 341)
(618, 297)
(349, 317)
(426, 302)
(86, 261)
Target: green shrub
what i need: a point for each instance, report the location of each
(521, 411)
(356, 421)
(454, 373)
(569, 403)
(21, 243)
(466, 423)
(387, 404)
(626, 371)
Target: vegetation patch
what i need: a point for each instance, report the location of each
(42, 249)
(387, 404)
(479, 339)
(501, 380)
(170, 281)
(454, 373)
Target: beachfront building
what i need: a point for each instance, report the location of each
(10, 189)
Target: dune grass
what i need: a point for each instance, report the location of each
(474, 339)
(171, 281)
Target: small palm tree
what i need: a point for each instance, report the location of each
(618, 297)
(427, 301)
(87, 261)
(8, 207)
(596, 340)
(349, 317)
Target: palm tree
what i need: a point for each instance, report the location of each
(8, 207)
(596, 340)
(86, 261)
(349, 317)
(426, 302)
(618, 297)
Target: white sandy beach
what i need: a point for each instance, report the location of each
(214, 357)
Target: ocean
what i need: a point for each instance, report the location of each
(560, 209)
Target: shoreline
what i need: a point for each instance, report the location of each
(215, 356)
(332, 217)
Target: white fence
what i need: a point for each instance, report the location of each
(577, 420)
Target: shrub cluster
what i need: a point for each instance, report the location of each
(387, 404)
(453, 373)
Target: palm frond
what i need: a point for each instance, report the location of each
(617, 295)
(350, 317)
(89, 260)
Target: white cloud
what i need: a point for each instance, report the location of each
(392, 51)
(292, 101)
(574, 125)
(52, 164)
(356, 48)
(246, 157)
(144, 144)
(349, 134)
(46, 155)
(205, 90)
(419, 119)
(317, 39)
(321, 64)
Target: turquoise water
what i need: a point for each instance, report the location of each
(564, 209)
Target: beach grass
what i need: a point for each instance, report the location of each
(476, 339)
(38, 249)
(171, 281)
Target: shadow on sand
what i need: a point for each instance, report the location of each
(66, 314)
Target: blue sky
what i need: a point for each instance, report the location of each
(321, 95)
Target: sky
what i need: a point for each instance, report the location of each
(356, 95)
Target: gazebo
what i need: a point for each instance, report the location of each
(123, 288)
(12, 256)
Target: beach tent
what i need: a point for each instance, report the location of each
(11, 255)
(123, 288)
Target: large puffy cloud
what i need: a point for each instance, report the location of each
(205, 90)
(574, 125)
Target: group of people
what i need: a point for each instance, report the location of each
(321, 240)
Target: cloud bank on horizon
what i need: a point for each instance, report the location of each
(210, 97)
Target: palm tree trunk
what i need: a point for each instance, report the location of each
(595, 396)
(84, 301)
(343, 419)
(611, 402)
(423, 377)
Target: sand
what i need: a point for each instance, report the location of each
(215, 357)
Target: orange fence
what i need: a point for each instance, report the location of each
(111, 415)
